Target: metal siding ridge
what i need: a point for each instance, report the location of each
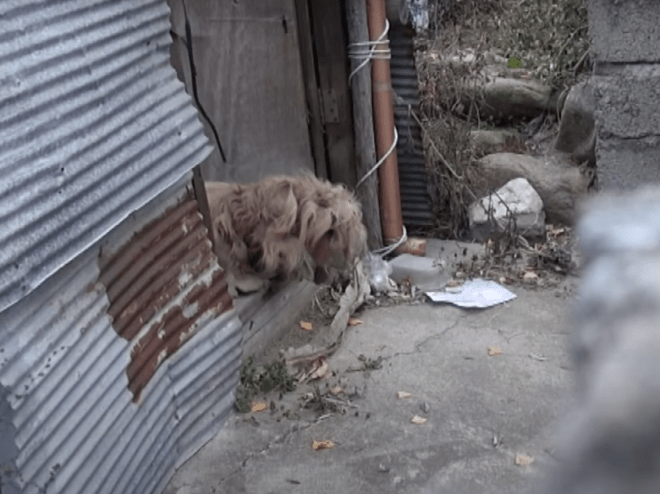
(95, 124)
(415, 206)
(77, 426)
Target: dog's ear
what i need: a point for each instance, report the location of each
(281, 207)
(316, 222)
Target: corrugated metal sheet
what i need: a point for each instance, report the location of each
(415, 205)
(67, 351)
(94, 125)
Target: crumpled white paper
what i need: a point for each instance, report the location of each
(477, 293)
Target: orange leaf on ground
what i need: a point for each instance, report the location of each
(306, 326)
(323, 444)
(522, 460)
(258, 405)
(417, 420)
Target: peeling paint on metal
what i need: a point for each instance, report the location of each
(159, 285)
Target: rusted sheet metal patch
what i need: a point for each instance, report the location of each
(162, 287)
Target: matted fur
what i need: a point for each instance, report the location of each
(284, 228)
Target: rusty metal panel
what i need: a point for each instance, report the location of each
(415, 205)
(81, 418)
(94, 125)
(152, 303)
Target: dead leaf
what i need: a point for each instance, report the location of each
(352, 321)
(327, 444)
(319, 368)
(417, 420)
(530, 276)
(402, 394)
(522, 460)
(306, 326)
(258, 405)
(494, 350)
(335, 390)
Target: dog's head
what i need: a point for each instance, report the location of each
(332, 228)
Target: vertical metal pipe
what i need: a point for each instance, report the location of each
(390, 196)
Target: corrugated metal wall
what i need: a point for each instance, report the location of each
(94, 125)
(82, 421)
(415, 205)
(119, 351)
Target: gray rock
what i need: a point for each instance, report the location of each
(577, 129)
(505, 98)
(516, 200)
(560, 184)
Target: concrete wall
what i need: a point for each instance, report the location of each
(625, 41)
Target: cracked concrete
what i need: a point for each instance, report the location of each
(481, 410)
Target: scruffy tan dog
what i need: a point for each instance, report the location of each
(284, 228)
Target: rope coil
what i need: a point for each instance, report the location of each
(366, 51)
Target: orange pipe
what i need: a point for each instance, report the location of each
(390, 195)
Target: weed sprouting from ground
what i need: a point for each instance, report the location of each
(255, 381)
(549, 37)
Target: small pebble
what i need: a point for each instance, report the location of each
(425, 407)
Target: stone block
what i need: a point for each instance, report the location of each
(625, 30)
(625, 164)
(628, 102)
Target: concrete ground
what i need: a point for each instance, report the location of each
(481, 410)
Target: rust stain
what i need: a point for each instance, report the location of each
(172, 255)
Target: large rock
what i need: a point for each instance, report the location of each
(505, 98)
(560, 184)
(610, 442)
(516, 203)
(577, 129)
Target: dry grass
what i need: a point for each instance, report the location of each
(549, 37)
